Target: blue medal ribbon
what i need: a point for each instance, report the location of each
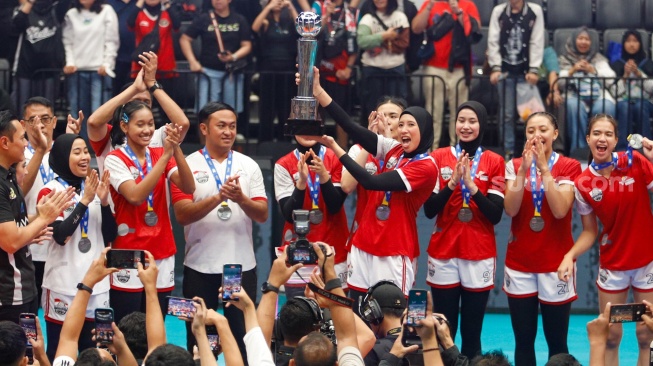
(615, 161)
(539, 194)
(227, 173)
(313, 187)
(84, 223)
(46, 176)
(388, 194)
(148, 161)
(477, 158)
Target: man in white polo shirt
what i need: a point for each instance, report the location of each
(217, 218)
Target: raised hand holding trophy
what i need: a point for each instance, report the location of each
(304, 118)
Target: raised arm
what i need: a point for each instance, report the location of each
(154, 326)
(232, 356)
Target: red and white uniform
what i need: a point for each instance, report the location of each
(145, 23)
(527, 274)
(204, 253)
(464, 252)
(66, 265)
(39, 252)
(622, 204)
(103, 147)
(133, 233)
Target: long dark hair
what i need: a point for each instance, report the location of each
(96, 7)
(124, 114)
(547, 115)
(369, 7)
(596, 118)
(387, 99)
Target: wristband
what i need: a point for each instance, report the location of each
(334, 283)
(340, 300)
(81, 286)
(430, 349)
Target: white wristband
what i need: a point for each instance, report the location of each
(234, 57)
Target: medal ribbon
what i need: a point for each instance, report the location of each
(539, 194)
(227, 172)
(477, 158)
(388, 194)
(46, 176)
(84, 223)
(148, 161)
(313, 186)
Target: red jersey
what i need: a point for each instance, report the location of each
(398, 234)
(623, 205)
(472, 240)
(333, 229)
(166, 56)
(373, 167)
(133, 233)
(554, 241)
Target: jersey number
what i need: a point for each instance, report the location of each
(563, 288)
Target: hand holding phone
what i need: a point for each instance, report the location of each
(623, 313)
(124, 259)
(181, 307)
(214, 339)
(399, 29)
(103, 325)
(417, 300)
(232, 275)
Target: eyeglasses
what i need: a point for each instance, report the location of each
(45, 119)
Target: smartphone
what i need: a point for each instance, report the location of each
(623, 313)
(410, 337)
(103, 330)
(29, 352)
(232, 276)
(27, 321)
(214, 339)
(416, 307)
(119, 258)
(179, 306)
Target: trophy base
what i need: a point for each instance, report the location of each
(303, 127)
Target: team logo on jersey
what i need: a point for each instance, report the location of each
(626, 181)
(596, 194)
(431, 269)
(123, 276)
(482, 176)
(508, 281)
(487, 275)
(172, 276)
(201, 176)
(446, 173)
(605, 240)
(60, 307)
(12, 194)
(603, 276)
(371, 168)
(164, 23)
(69, 209)
(391, 163)
(134, 172)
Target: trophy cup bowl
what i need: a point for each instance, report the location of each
(304, 117)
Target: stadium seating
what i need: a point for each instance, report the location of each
(569, 14)
(618, 14)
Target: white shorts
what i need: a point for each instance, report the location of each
(471, 275)
(365, 270)
(127, 279)
(548, 288)
(55, 305)
(641, 279)
(305, 272)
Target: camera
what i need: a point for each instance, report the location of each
(301, 250)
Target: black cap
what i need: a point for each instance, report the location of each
(389, 296)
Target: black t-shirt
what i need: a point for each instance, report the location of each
(233, 29)
(279, 44)
(283, 355)
(15, 269)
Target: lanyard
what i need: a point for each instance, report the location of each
(84, 223)
(388, 194)
(227, 172)
(148, 161)
(313, 187)
(539, 194)
(472, 173)
(46, 176)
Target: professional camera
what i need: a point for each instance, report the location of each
(301, 250)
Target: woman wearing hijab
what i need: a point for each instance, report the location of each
(78, 237)
(539, 196)
(585, 95)
(633, 92)
(468, 202)
(385, 245)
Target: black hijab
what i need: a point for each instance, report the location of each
(481, 114)
(425, 123)
(619, 65)
(60, 159)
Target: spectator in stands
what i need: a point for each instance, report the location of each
(338, 51)
(453, 26)
(124, 10)
(515, 48)
(633, 92)
(584, 94)
(550, 92)
(156, 15)
(231, 41)
(90, 39)
(383, 36)
(275, 26)
(39, 24)
(9, 40)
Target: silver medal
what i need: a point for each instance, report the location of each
(224, 212)
(537, 223)
(151, 218)
(84, 245)
(635, 141)
(315, 217)
(465, 214)
(383, 212)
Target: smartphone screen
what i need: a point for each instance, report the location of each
(623, 313)
(103, 330)
(214, 338)
(232, 276)
(117, 258)
(416, 307)
(27, 321)
(178, 306)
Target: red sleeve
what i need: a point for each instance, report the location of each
(43, 192)
(498, 175)
(177, 195)
(420, 174)
(99, 146)
(172, 163)
(647, 168)
(470, 11)
(335, 170)
(571, 172)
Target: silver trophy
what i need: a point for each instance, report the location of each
(304, 118)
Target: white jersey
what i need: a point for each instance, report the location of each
(210, 241)
(39, 252)
(66, 265)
